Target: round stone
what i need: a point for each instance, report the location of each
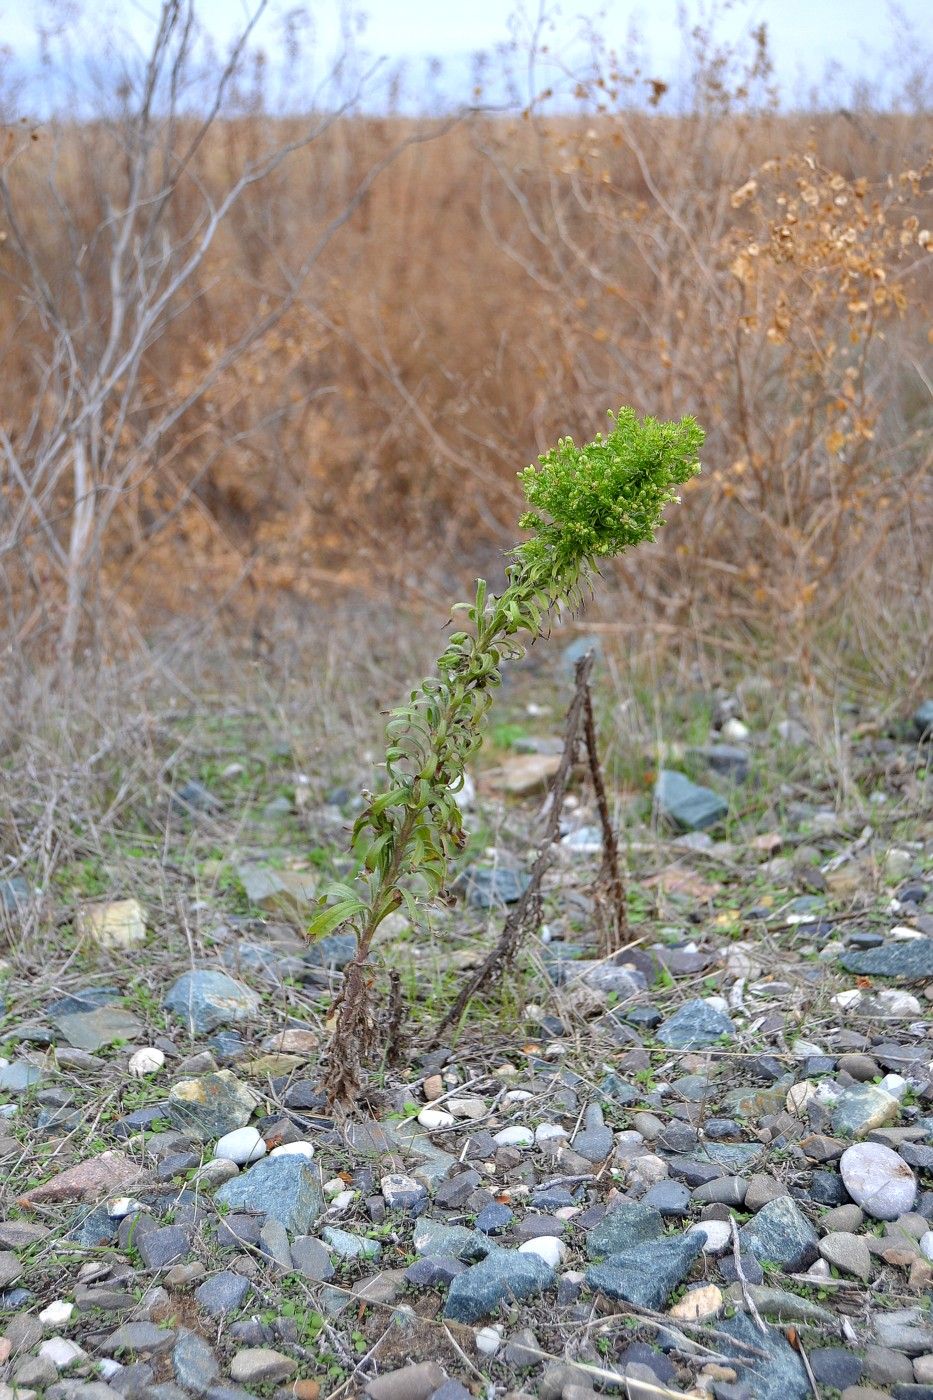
(878, 1180)
(514, 1137)
(293, 1149)
(717, 1235)
(549, 1132)
(146, 1061)
(243, 1145)
(488, 1340)
(432, 1118)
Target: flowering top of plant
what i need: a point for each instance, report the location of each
(602, 498)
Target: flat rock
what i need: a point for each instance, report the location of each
(690, 806)
(261, 1366)
(415, 1382)
(92, 1030)
(139, 1337)
(594, 1140)
(694, 1025)
(878, 1180)
(624, 1227)
(195, 1365)
(912, 960)
(19, 1076)
(205, 999)
(278, 891)
(211, 1105)
(488, 888)
(106, 1175)
(781, 1234)
(222, 1294)
(847, 1252)
(311, 1259)
(507, 1273)
(646, 1274)
(287, 1188)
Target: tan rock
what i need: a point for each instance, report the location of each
(433, 1087)
(101, 1176)
(524, 773)
(117, 923)
(698, 1303)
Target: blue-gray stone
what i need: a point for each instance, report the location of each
(195, 1365)
(779, 1375)
(204, 1000)
(594, 1140)
(912, 960)
(85, 999)
(311, 1259)
(623, 1228)
(227, 1046)
(348, 1246)
(14, 894)
(781, 1234)
(694, 1025)
(193, 797)
(222, 1294)
(434, 1237)
(621, 1093)
(434, 1272)
(494, 1218)
(503, 1275)
(161, 1247)
(19, 1076)
(692, 807)
(336, 950)
(92, 1228)
(923, 719)
(647, 1274)
(728, 759)
(488, 888)
(669, 1197)
(286, 1188)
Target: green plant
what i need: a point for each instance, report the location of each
(587, 504)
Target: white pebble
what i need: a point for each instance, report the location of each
(903, 933)
(733, 731)
(122, 1206)
(820, 1269)
(798, 1096)
(488, 1340)
(846, 999)
(547, 1247)
(61, 1352)
(925, 1244)
(894, 1084)
(293, 1149)
(878, 1180)
(108, 1368)
(333, 1187)
(435, 1118)
(517, 1096)
(514, 1137)
(342, 1202)
(717, 1235)
(146, 1061)
(898, 1003)
(56, 1314)
(547, 1132)
(243, 1145)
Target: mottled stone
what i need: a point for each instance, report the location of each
(646, 1274)
(205, 999)
(287, 1188)
(211, 1105)
(506, 1273)
(695, 1025)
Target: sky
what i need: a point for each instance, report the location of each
(806, 36)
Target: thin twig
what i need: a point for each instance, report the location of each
(749, 1300)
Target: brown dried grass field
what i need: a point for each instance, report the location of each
(502, 282)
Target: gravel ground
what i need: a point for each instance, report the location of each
(701, 1167)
